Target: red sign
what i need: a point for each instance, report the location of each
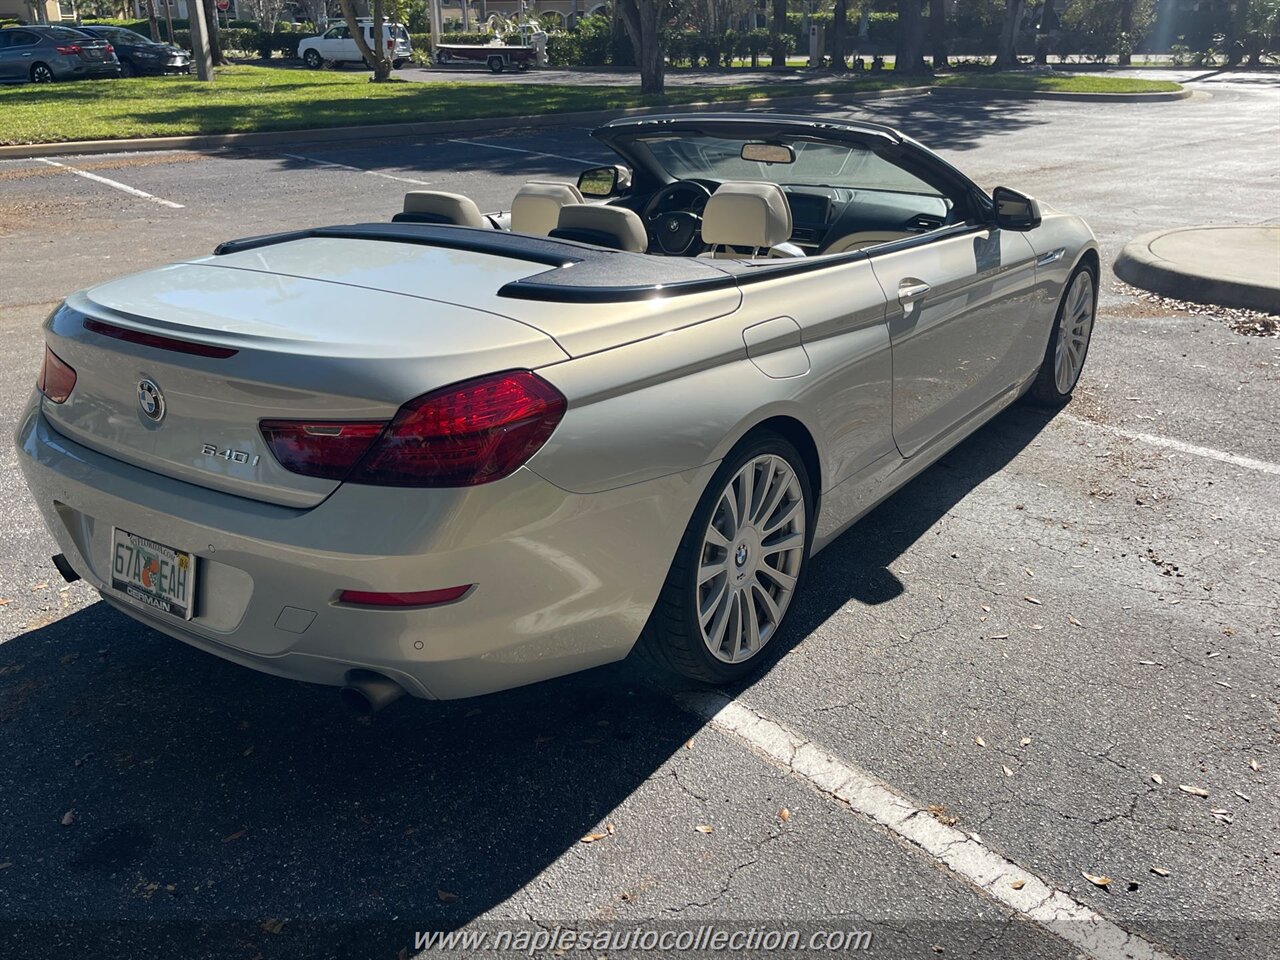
(224, 5)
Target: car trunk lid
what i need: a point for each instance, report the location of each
(267, 346)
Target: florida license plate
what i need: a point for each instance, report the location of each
(158, 576)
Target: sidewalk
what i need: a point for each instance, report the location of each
(1236, 266)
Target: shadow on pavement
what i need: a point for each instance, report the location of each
(210, 800)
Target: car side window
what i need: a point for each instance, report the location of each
(21, 38)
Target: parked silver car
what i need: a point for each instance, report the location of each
(43, 54)
(461, 452)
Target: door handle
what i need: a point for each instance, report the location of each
(909, 291)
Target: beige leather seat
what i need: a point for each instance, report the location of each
(436, 206)
(614, 227)
(867, 238)
(536, 207)
(750, 217)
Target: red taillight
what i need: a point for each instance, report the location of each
(422, 598)
(470, 433)
(108, 49)
(319, 449)
(55, 380)
(71, 49)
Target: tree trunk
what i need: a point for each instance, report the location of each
(909, 52)
(215, 42)
(778, 27)
(151, 18)
(1048, 26)
(1006, 58)
(380, 65)
(938, 32)
(168, 21)
(643, 20)
(1126, 33)
(839, 26)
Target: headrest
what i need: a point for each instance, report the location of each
(436, 206)
(615, 227)
(536, 207)
(747, 214)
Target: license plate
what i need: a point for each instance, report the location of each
(160, 577)
(93, 54)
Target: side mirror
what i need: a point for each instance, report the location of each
(1015, 211)
(603, 181)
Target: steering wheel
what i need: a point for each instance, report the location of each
(673, 218)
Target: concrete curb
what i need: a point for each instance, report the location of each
(1197, 281)
(989, 93)
(380, 131)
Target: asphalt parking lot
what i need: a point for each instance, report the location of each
(1038, 641)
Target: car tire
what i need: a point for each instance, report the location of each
(41, 73)
(496, 65)
(127, 69)
(397, 64)
(1068, 346)
(313, 59)
(719, 630)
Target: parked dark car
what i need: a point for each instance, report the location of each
(43, 54)
(139, 55)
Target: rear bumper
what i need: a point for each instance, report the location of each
(564, 581)
(77, 69)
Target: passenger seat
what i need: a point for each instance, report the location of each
(751, 216)
(614, 227)
(536, 207)
(436, 206)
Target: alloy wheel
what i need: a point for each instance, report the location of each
(1074, 332)
(751, 556)
(40, 73)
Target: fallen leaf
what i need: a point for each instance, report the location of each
(274, 926)
(1072, 620)
(1223, 683)
(1032, 600)
(1194, 791)
(1157, 778)
(1160, 871)
(1018, 884)
(985, 608)
(1007, 771)
(784, 814)
(446, 896)
(705, 828)
(5, 601)
(6, 865)
(1149, 663)
(1025, 742)
(1101, 880)
(1253, 765)
(610, 829)
(939, 813)
(246, 751)
(998, 636)
(979, 741)
(1029, 573)
(593, 837)
(68, 818)
(688, 744)
(1243, 796)
(235, 836)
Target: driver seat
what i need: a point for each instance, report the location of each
(750, 215)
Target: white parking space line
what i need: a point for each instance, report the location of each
(532, 153)
(964, 854)
(1191, 449)
(123, 187)
(346, 166)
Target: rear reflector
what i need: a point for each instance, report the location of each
(56, 379)
(470, 433)
(321, 448)
(157, 341)
(422, 598)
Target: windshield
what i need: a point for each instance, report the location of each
(817, 163)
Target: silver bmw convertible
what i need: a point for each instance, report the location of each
(457, 452)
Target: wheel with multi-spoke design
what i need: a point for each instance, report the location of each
(1069, 342)
(738, 565)
(42, 73)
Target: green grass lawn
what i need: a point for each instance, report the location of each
(1063, 83)
(245, 98)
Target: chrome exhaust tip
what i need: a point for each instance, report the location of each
(366, 692)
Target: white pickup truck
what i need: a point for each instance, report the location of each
(336, 45)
